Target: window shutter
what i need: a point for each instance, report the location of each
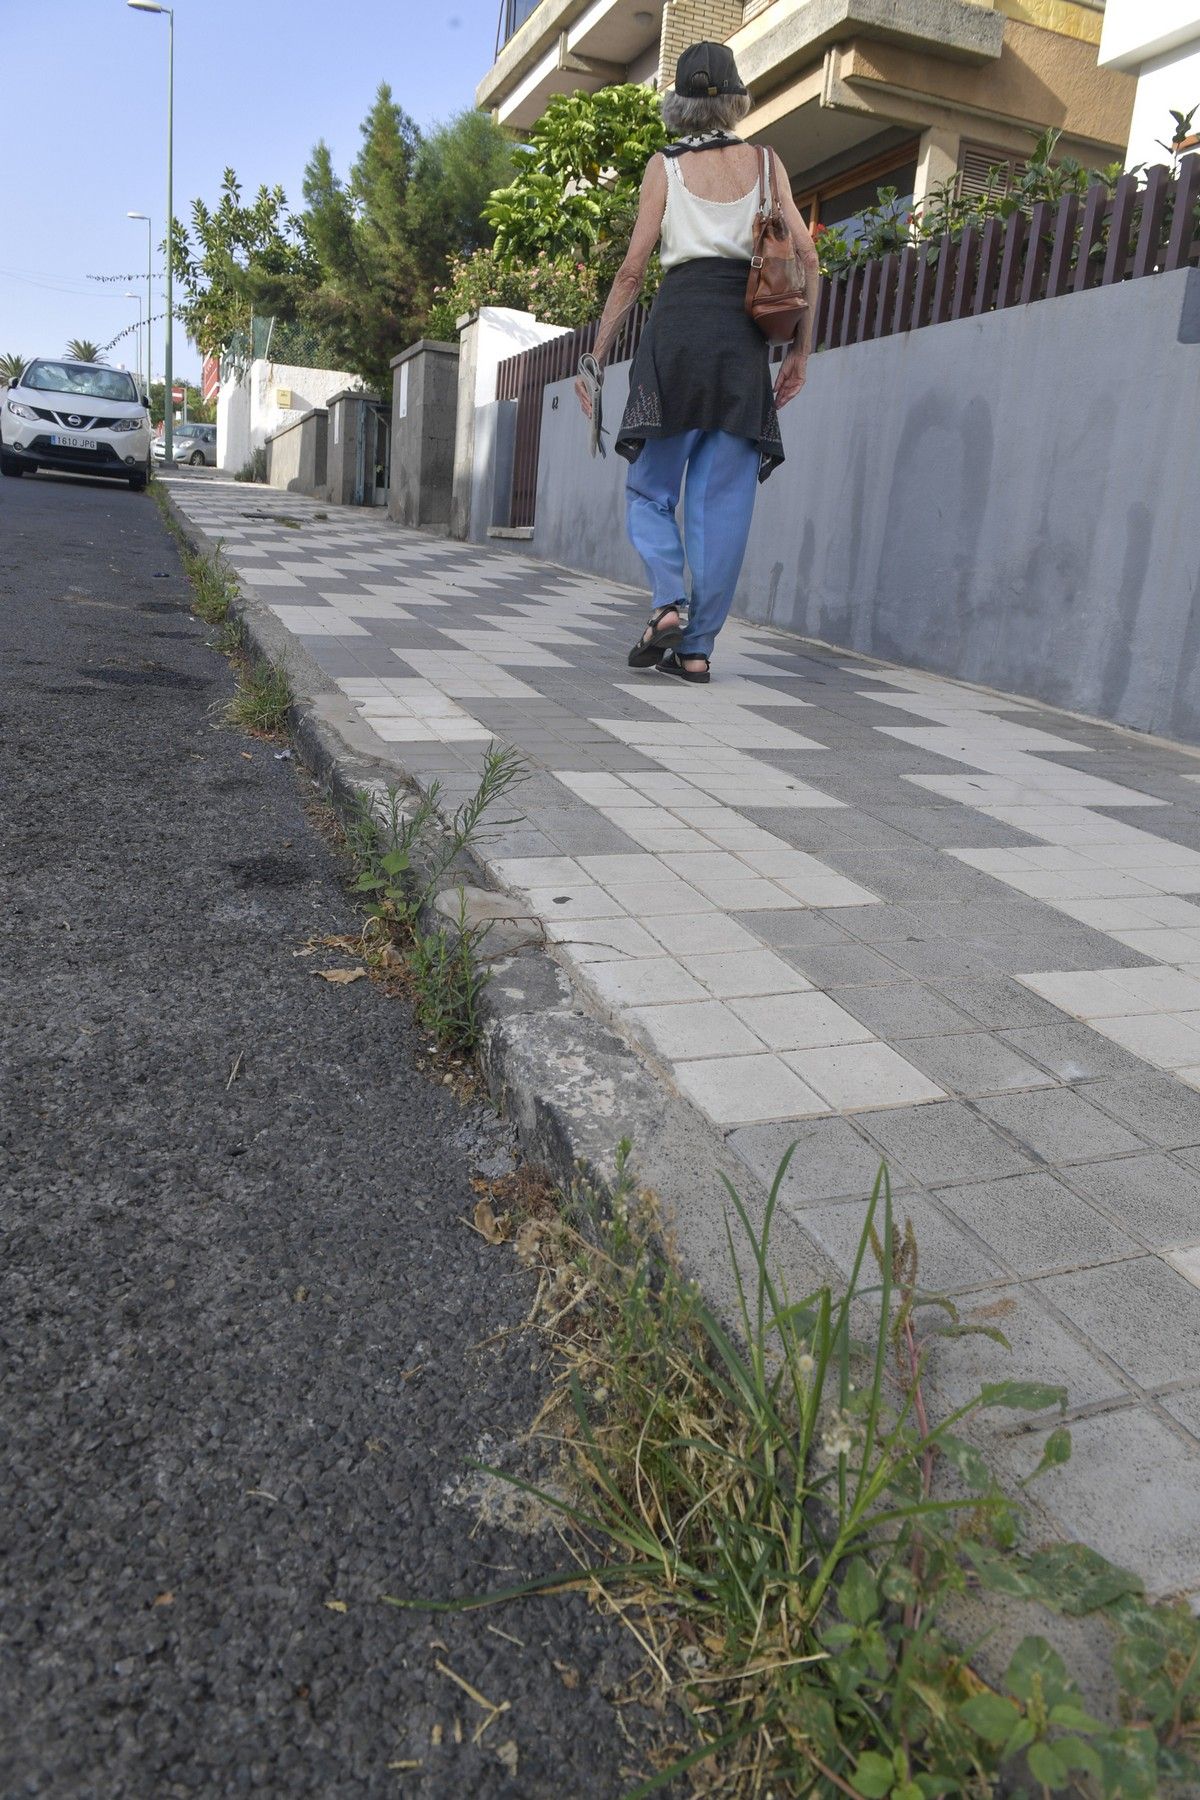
(976, 163)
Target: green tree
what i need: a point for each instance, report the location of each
(83, 350)
(577, 179)
(458, 167)
(11, 366)
(368, 292)
(239, 258)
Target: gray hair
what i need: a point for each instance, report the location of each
(684, 115)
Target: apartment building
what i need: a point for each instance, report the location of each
(854, 94)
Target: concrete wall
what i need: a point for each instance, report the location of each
(297, 455)
(1009, 499)
(425, 380)
(248, 410)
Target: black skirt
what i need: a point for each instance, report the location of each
(702, 364)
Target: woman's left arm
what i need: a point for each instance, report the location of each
(793, 370)
(632, 273)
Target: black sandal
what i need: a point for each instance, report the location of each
(647, 650)
(670, 664)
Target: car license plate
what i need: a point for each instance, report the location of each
(69, 442)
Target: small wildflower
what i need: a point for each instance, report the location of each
(805, 1364)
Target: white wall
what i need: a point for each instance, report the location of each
(1159, 42)
(1166, 81)
(248, 410)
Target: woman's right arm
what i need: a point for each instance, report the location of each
(632, 273)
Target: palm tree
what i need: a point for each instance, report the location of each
(83, 350)
(10, 369)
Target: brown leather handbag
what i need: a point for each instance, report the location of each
(776, 298)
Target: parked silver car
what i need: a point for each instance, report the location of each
(193, 444)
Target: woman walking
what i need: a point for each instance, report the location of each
(701, 402)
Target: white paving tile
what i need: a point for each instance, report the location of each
(701, 933)
(702, 1028)
(859, 1077)
(643, 982)
(798, 1021)
(1167, 1042)
(734, 974)
(602, 940)
(748, 1090)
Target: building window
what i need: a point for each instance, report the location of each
(843, 199)
(983, 170)
(513, 14)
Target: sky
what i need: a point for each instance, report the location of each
(257, 82)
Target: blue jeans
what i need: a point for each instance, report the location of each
(722, 479)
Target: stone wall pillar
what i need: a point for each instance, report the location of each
(424, 403)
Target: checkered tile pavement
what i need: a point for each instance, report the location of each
(871, 910)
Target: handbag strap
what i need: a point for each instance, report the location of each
(766, 184)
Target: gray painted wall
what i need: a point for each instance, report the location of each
(1013, 500)
(296, 455)
(424, 407)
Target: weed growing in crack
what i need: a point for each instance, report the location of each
(262, 699)
(788, 1531)
(232, 637)
(403, 858)
(213, 585)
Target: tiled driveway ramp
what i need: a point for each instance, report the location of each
(874, 911)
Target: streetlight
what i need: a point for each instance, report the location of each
(152, 6)
(138, 298)
(149, 292)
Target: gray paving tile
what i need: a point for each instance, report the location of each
(1157, 1197)
(1191, 1158)
(942, 959)
(831, 1161)
(1042, 1349)
(1159, 1107)
(974, 1062)
(949, 1258)
(1033, 953)
(998, 1002)
(943, 1142)
(904, 1009)
(1143, 1314)
(1184, 1408)
(1059, 1125)
(848, 965)
(1035, 1223)
(1073, 1052)
(794, 929)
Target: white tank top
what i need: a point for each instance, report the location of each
(693, 227)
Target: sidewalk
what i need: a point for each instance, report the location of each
(880, 913)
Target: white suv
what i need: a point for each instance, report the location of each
(83, 417)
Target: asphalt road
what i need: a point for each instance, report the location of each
(237, 1375)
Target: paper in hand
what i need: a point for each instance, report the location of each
(592, 376)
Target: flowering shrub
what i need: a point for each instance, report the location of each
(559, 290)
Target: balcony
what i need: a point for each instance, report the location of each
(513, 14)
(548, 47)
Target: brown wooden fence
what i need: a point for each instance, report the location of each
(1145, 226)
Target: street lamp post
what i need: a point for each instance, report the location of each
(152, 6)
(149, 293)
(138, 298)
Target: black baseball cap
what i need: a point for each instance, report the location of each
(707, 69)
